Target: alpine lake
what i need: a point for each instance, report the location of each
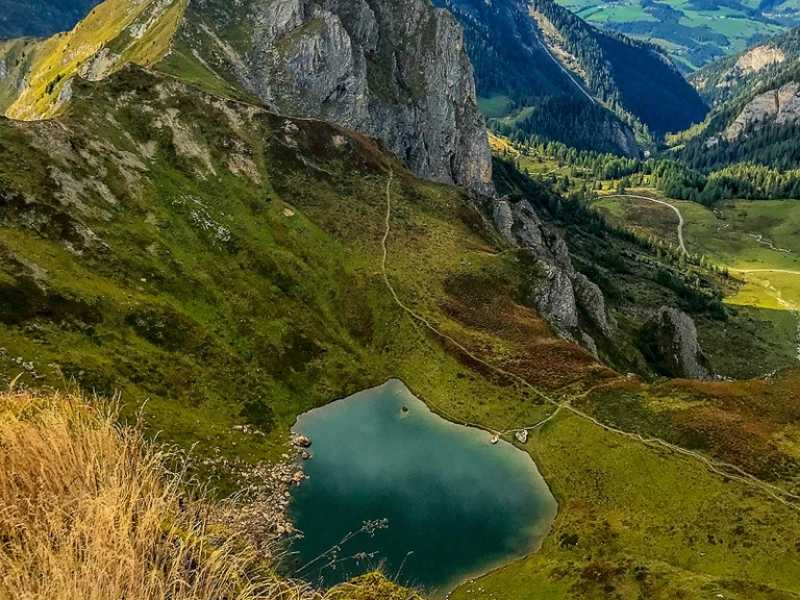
(393, 486)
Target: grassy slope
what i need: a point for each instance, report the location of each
(759, 321)
(16, 56)
(289, 311)
(140, 33)
(737, 234)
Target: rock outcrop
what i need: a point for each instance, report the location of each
(394, 69)
(718, 82)
(758, 58)
(566, 298)
(780, 106)
(669, 340)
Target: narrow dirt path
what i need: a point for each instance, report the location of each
(720, 468)
(786, 271)
(674, 208)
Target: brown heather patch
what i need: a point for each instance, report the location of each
(738, 422)
(776, 400)
(735, 439)
(520, 341)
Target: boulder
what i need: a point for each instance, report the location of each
(669, 340)
(302, 441)
(592, 303)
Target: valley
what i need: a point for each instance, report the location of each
(754, 241)
(692, 33)
(323, 224)
(561, 358)
(23, 18)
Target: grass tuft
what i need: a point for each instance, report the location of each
(90, 510)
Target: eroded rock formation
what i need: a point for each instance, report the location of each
(669, 340)
(566, 298)
(396, 70)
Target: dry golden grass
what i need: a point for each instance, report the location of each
(89, 511)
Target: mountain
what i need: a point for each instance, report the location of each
(396, 71)
(40, 18)
(541, 70)
(180, 230)
(742, 73)
(221, 267)
(756, 108)
(692, 33)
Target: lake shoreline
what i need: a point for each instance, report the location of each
(537, 532)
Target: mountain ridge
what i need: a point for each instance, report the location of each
(756, 108)
(168, 236)
(428, 117)
(530, 55)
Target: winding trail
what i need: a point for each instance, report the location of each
(720, 468)
(786, 271)
(674, 208)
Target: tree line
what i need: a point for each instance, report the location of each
(749, 181)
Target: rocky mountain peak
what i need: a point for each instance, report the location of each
(396, 70)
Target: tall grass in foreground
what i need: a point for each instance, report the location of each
(88, 511)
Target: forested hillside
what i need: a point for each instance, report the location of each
(756, 114)
(692, 33)
(628, 75)
(759, 65)
(39, 18)
(543, 72)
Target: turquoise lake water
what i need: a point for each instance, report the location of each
(448, 504)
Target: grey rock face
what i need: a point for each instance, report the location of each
(625, 139)
(558, 292)
(780, 106)
(591, 300)
(554, 297)
(394, 69)
(670, 340)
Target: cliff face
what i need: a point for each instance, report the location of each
(741, 74)
(780, 106)
(393, 69)
(396, 70)
(566, 298)
(670, 340)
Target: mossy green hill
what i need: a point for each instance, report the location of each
(167, 237)
(220, 266)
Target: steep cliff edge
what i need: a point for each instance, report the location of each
(396, 71)
(566, 298)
